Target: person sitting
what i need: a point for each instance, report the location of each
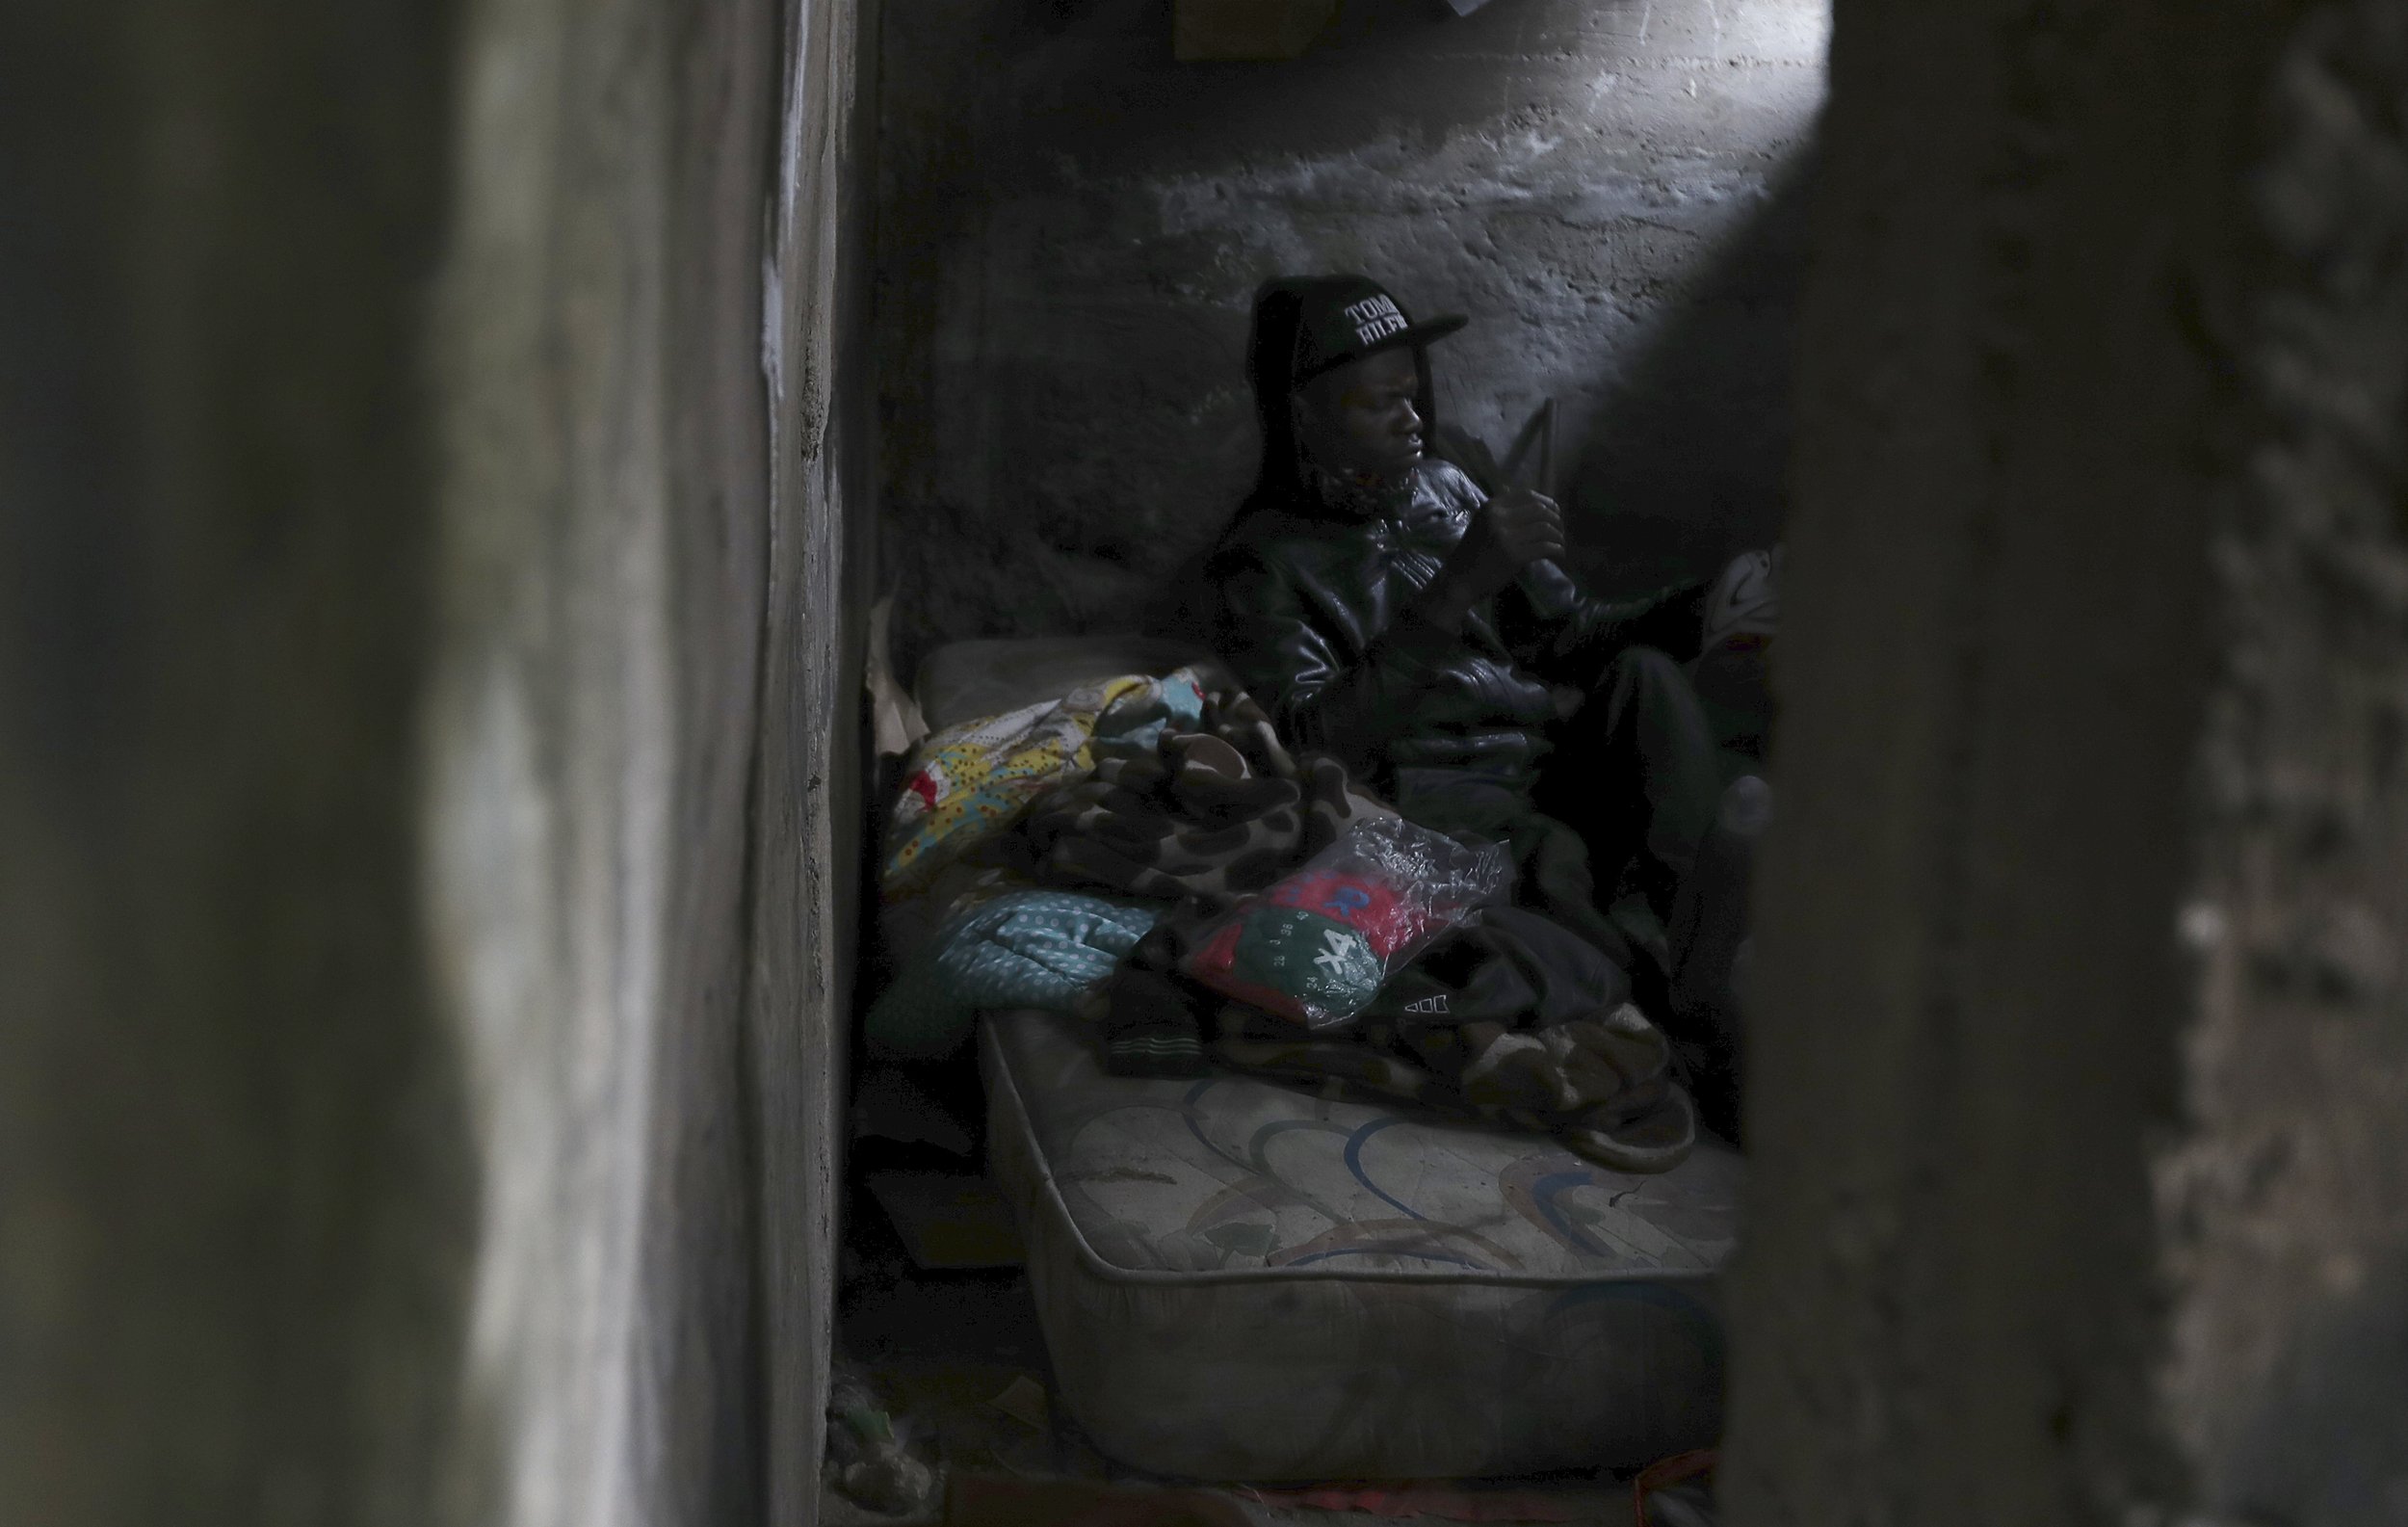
(1386, 611)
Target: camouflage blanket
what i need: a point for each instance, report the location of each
(1204, 816)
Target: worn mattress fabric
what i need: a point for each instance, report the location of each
(962, 680)
(1239, 1280)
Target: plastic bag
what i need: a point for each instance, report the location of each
(1317, 947)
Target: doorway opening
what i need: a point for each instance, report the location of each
(1056, 1218)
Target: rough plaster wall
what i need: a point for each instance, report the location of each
(409, 1109)
(588, 735)
(1071, 226)
(808, 788)
(2288, 1206)
(2051, 1221)
(640, 736)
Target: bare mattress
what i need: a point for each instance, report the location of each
(1238, 1280)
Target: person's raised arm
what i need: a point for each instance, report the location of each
(1568, 637)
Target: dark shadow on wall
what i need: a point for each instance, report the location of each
(1686, 462)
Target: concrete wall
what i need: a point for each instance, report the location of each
(1071, 226)
(425, 734)
(2286, 1204)
(2079, 1134)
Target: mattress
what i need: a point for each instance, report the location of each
(963, 680)
(1243, 1281)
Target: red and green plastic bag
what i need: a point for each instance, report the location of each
(1317, 947)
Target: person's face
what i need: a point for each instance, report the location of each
(1360, 417)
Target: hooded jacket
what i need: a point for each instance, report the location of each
(1315, 609)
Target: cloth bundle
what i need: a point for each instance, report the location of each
(1153, 791)
(1509, 1019)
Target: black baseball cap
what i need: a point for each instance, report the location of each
(1343, 318)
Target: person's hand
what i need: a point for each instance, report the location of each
(1507, 534)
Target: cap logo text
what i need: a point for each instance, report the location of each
(1374, 318)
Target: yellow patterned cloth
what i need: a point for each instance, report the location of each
(975, 779)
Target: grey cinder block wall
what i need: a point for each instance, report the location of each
(1071, 225)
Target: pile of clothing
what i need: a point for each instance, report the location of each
(1146, 854)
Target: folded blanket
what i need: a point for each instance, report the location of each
(1025, 948)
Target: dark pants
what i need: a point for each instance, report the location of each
(1639, 774)
(1619, 839)
(1621, 810)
